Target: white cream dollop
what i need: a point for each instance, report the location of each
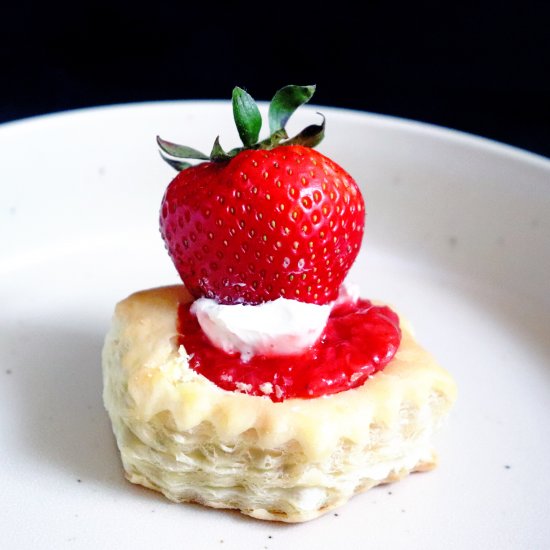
(278, 327)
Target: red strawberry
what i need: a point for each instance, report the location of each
(274, 219)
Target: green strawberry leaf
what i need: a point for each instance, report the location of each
(178, 165)
(218, 154)
(247, 117)
(310, 136)
(285, 102)
(180, 151)
(249, 123)
(273, 140)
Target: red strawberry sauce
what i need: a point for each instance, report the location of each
(359, 340)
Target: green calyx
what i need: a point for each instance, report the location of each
(249, 123)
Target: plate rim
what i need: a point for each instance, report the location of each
(437, 131)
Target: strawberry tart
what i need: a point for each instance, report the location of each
(263, 383)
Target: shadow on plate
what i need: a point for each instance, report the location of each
(56, 373)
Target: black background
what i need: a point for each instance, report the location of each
(481, 68)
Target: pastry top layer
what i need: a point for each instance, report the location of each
(143, 360)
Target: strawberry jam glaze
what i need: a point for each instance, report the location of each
(359, 340)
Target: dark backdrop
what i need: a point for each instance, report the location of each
(479, 68)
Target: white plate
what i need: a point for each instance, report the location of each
(458, 235)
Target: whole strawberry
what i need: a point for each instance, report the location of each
(272, 219)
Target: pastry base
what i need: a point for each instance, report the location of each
(181, 435)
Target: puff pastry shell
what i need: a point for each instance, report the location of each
(180, 434)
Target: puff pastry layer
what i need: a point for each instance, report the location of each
(180, 434)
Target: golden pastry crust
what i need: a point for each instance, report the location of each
(180, 434)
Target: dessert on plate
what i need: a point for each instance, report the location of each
(264, 383)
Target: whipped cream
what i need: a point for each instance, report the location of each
(278, 327)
